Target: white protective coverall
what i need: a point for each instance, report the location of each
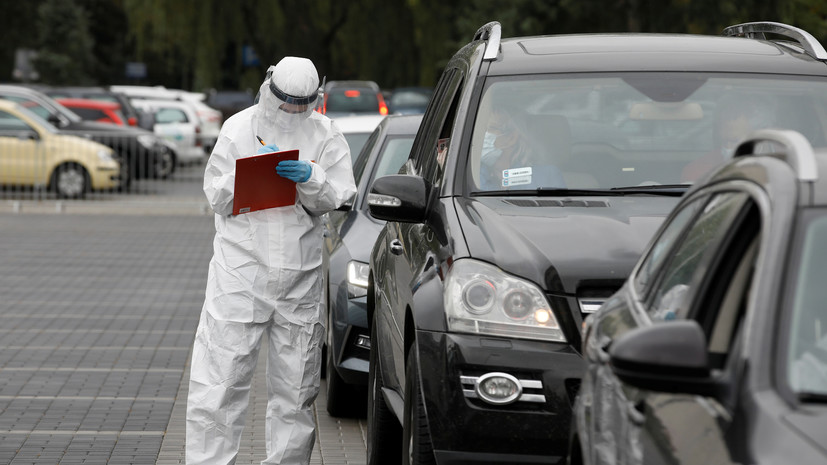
(265, 275)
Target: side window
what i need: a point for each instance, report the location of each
(432, 121)
(659, 251)
(690, 261)
(170, 115)
(89, 113)
(440, 138)
(360, 160)
(30, 105)
(11, 125)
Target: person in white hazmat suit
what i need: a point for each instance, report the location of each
(265, 275)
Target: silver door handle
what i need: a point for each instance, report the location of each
(396, 247)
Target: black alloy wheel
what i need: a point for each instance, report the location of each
(384, 432)
(163, 163)
(70, 181)
(125, 175)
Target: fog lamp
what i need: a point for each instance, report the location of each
(498, 388)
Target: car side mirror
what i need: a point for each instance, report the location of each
(668, 357)
(399, 197)
(55, 120)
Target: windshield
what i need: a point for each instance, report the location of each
(629, 130)
(807, 351)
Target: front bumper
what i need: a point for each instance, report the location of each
(351, 338)
(466, 429)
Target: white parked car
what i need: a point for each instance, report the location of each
(177, 122)
(209, 119)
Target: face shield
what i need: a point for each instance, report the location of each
(288, 94)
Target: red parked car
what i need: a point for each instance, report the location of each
(95, 110)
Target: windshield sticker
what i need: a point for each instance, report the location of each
(516, 181)
(517, 172)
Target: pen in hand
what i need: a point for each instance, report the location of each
(260, 141)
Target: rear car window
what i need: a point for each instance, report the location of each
(352, 101)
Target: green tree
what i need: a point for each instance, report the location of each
(16, 18)
(65, 45)
(108, 27)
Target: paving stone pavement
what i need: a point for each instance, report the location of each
(98, 310)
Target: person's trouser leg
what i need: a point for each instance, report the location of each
(293, 371)
(223, 360)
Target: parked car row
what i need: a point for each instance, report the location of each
(524, 300)
(35, 153)
(151, 130)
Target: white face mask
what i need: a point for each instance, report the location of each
(490, 153)
(288, 121)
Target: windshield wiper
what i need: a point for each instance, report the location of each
(655, 189)
(810, 396)
(550, 191)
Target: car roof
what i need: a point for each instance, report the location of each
(20, 89)
(358, 123)
(351, 84)
(88, 103)
(650, 52)
(8, 104)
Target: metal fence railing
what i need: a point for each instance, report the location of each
(40, 165)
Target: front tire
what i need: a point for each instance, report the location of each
(384, 431)
(163, 163)
(416, 436)
(70, 181)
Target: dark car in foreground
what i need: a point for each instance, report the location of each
(350, 235)
(140, 153)
(541, 170)
(715, 350)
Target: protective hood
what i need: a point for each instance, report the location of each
(287, 96)
(563, 244)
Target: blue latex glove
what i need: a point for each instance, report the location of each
(294, 170)
(268, 148)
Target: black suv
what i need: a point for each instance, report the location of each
(542, 168)
(716, 347)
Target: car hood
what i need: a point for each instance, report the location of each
(563, 244)
(76, 145)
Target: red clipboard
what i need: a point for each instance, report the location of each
(258, 186)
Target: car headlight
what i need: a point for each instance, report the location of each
(357, 279)
(146, 140)
(105, 155)
(483, 299)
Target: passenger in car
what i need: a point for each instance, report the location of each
(509, 159)
(735, 119)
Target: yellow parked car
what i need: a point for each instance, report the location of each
(33, 153)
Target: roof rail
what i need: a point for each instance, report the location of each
(490, 33)
(758, 30)
(799, 154)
